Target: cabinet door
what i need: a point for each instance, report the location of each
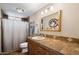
(36, 49)
(31, 50)
(54, 52)
(42, 51)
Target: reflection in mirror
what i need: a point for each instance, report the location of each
(51, 22)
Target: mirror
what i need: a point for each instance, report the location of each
(51, 22)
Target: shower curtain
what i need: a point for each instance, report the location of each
(15, 32)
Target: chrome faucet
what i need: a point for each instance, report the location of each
(43, 35)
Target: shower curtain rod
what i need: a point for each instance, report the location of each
(15, 20)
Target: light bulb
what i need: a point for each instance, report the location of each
(51, 8)
(19, 10)
(46, 10)
(42, 12)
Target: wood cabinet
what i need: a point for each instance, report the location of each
(35, 48)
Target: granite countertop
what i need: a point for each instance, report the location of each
(64, 47)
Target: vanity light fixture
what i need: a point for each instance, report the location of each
(46, 10)
(51, 8)
(19, 10)
(42, 13)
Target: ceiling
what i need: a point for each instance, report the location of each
(29, 8)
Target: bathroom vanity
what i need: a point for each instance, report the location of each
(36, 48)
(50, 46)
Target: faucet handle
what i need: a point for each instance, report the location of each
(70, 39)
(41, 34)
(44, 35)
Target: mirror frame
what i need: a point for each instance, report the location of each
(59, 22)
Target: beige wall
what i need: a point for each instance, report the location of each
(70, 19)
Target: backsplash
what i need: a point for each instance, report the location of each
(73, 40)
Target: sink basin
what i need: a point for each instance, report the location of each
(38, 38)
